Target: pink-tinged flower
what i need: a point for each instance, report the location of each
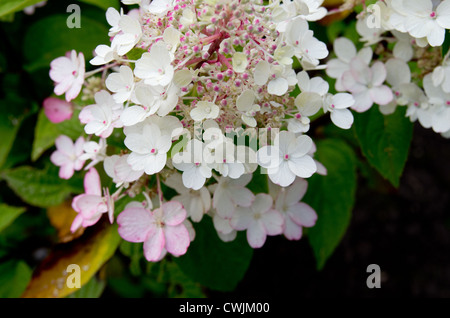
(67, 156)
(160, 230)
(68, 74)
(57, 110)
(366, 84)
(260, 220)
(296, 214)
(91, 204)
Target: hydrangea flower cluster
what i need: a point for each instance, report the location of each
(203, 96)
(409, 71)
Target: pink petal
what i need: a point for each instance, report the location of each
(303, 167)
(154, 245)
(135, 224)
(379, 73)
(263, 203)
(76, 224)
(273, 222)
(363, 101)
(58, 158)
(344, 49)
(92, 183)
(296, 191)
(292, 231)
(89, 205)
(241, 196)
(66, 171)
(177, 239)
(57, 110)
(382, 95)
(85, 115)
(174, 213)
(282, 176)
(302, 214)
(61, 68)
(65, 145)
(256, 234)
(74, 90)
(241, 219)
(223, 204)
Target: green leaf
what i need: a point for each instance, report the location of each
(46, 132)
(8, 214)
(11, 116)
(259, 182)
(332, 197)
(103, 4)
(11, 6)
(93, 289)
(42, 188)
(14, 278)
(214, 263)
(55, 39)
(446, 44)
(385, 141)
(90, 252)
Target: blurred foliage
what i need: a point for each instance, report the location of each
(36, 245)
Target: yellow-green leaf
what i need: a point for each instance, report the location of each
(89, 252)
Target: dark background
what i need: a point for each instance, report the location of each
(406, 231)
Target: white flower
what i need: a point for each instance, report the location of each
(280, 77)
(149, 149)
(296, 214)
(187, 18)
(399, 77)
(103, 54)
(172, 37)
(129, 36)
(441, 77)
(103, 116)
(314, 85)
(113, 17)
(222, 225)
(440, 101)
(94, 151)
(311, 10)
(67, 156)
(239, 62)
(120, 171)
(191, 162)
(168, 125)
(68, 74)
(196, 203)
(122, 84)
(246, 104)
(150, 100)
(155, 67)
(160, 7)
(260, 220)
(306, 47)
(287, 158)
(204, 110)
(366, 84)
(338, 106)
(345, 51)
(229, 193)
(426, 19)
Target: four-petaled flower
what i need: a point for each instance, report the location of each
(160, 230)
